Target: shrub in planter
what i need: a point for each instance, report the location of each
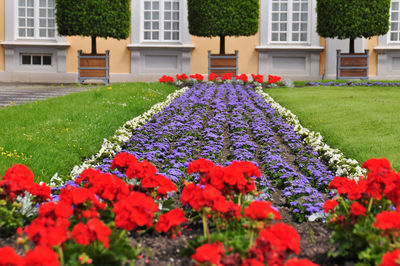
(345, 19)
(94, 18)
(211, 18)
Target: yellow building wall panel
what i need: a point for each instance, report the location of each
(373, 55)
(322, 57)
(2, 33)
(248, 55)
(120, 56)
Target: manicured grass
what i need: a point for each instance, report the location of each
(363, 122)
(52, 136)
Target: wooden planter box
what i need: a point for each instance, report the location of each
(93, 66)
(352, 66)
(221, 64)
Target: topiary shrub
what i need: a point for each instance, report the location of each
(351, 19)
(211, 18)
(94, 18)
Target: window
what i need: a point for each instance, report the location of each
(395, 21)
(161, 20)
(290, 21)
(36, 59)
(36, 19)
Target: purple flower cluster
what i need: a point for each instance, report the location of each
(353, 84)
(226, 123)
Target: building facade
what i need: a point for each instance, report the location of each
(286, 44)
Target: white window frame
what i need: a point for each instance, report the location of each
(36, 25)
(290, 24)
(161, 24)
(398, 21)
(36, 65)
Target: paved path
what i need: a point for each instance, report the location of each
(11, 94)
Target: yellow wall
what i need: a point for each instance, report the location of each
(373, 55)
(248, 55)
(120, 57)
(322, 57)
(2, 28)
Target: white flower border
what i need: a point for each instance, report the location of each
(113, 145)
(335, 159)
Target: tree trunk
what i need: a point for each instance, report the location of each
(94, 46)
(351, 49)
(221, 44)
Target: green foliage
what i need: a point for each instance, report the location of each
(95, 18)
(209, 18)
(10, 219)
(352, 19)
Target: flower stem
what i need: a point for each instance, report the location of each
(251, 238)
(206, 231)
(60, 255)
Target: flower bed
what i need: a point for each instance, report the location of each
(354, 84)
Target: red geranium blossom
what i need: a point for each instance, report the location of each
(387, 220)
(357, 209)
(182, 77)
(212, 77)
(330, 205)
(172, 219)
(8, 257)
(391, 258)
(258, 78)
(281, 237)
(242, 77)
(94, 230)
(135, 210)
(198, 77)
(226, 76)
(273, 79)
(377, 166)
(209, 253)
(261, 210)
(41, 255)
(166, 79)
(122, 160)
(299, 262)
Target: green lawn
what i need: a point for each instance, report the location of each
(52, 136)
(363, 122)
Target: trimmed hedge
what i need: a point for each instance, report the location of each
(352, 19)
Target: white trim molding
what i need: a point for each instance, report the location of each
(150, 59)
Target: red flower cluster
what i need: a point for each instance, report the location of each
(41, 255)
(145, 172)
(197, 77)
(135, 210)
(212, 77)
(273, 79)
(166, 79)
(297, 262)
(182, 77)
(357, 209)
(226, 76)
(94, 230)
(387, 220)
(171, 220)
(258, 78)
(19, 179)
(233, 179)
(330, 205)
(261, 211)
(209, 253)
(243, 77)
(391, 258)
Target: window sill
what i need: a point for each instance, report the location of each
(292, 47)
(167, 46)
(35, 44)
(392, 47)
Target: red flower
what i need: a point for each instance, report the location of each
(226, 76)
(387, 220)
(297, 262)
(242, 77)
(16, 180)
(47, 231)
(273, 79)
(135, 210)
(391, 258)
(281, 237)
(209, 253)
(198, 77)
(349, 187)
(172, 219)
(122, 160)
(258, 78)
(8, 257)
(43, 256)
(377, 166)
(201, 165)
(182, 77)
(261, 210)
(55, 210)
(212, 77)
(330, 205)
(81, 234)
(43, 191)
(166, 79)
(95, 230)
(162, 183)
(357, 209)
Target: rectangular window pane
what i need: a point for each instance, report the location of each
(26, 59)
(42, 33)
(36, 60)
(394, 21)
(46, 60)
